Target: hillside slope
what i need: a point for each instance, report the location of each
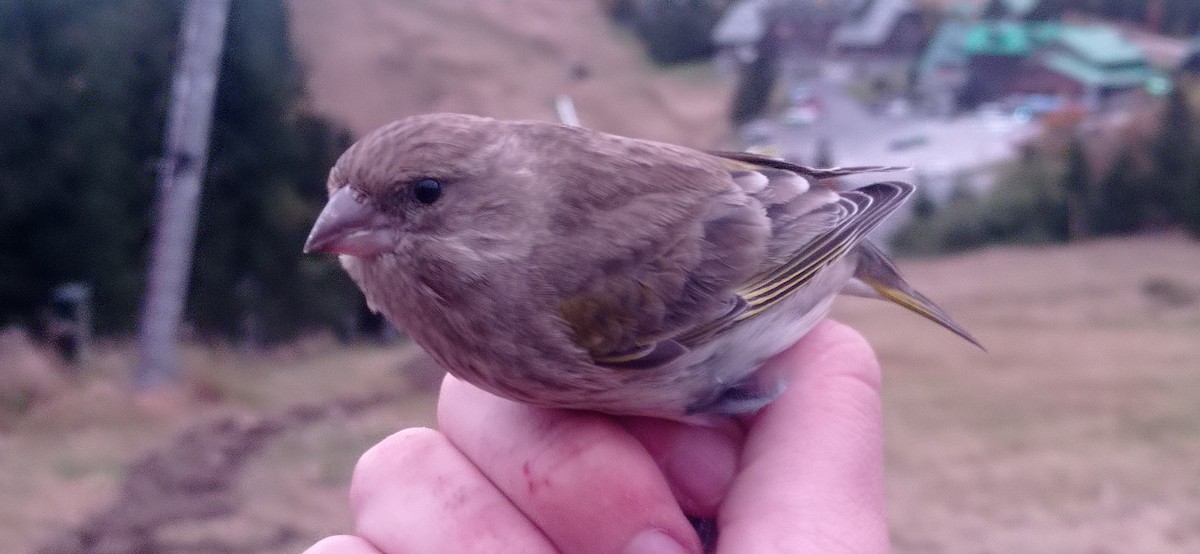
(372, 61)
(1078, 431)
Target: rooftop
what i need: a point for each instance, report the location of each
(1007, 38)
(1098, 75)
(945, 48)
(1099, 45)
(1093, 55)
(743, 23)
(746, 21)
(874, 26)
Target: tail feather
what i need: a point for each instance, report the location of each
(880, 274)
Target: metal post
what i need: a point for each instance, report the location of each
(193, 87)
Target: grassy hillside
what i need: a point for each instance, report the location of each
(1078, 431)
(372, 61)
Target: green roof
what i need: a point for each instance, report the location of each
(1095, 56)
(998, 39)
(1098, 75)
(1008, 38)
(1100, 45)
(1159, 85)
(1097, 45)
(945, 47)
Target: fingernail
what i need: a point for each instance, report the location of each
(654, 541)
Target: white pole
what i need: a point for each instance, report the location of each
(566, 110)
(193, 87)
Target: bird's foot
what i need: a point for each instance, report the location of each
(746, 397)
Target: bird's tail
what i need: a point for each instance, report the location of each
(881, 277)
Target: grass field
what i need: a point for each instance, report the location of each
(374, 61)
(1078, 431)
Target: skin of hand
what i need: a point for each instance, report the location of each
(805, 474)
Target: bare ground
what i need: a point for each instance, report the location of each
(1078, 431)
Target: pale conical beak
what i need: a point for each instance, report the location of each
(349, 226)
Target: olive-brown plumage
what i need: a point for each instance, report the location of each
(565, 267)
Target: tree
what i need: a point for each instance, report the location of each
(923, 206)
(824, 155)
(82, 102)
(753, 94)
(1077, 187)
(677, 31)
(1189, 204)
(1120, 204)
(1026, 205)
(265, 186)
(1176, 187)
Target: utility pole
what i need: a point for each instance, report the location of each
(202, 37)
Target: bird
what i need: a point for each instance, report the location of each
(564, 267)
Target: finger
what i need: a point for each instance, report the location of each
(585, 481)
(414, 492)
(342, 544)
(812, 467)
(699, 462)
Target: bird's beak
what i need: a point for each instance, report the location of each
(349, 226)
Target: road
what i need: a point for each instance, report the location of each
(936, 148)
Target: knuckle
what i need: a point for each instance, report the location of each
(406, 450)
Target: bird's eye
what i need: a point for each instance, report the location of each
(427, 191)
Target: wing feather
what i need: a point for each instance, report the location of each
(871, 204)
(809, 228)
(861, 210)
(747, 160)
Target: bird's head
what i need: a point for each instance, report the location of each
(447, 179)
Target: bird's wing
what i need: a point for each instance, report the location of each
(810, 228)
(756, 161)
(834, 228)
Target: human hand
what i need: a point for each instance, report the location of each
(803, 475)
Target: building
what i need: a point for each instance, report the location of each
(810, 31)
(738, 34)
(807, 27)
(1190, 64)
(1094, 64)
(887, 30)
(1023, 10)
(942, 68)
(1008, 59)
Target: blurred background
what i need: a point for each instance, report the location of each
(1056, 144)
